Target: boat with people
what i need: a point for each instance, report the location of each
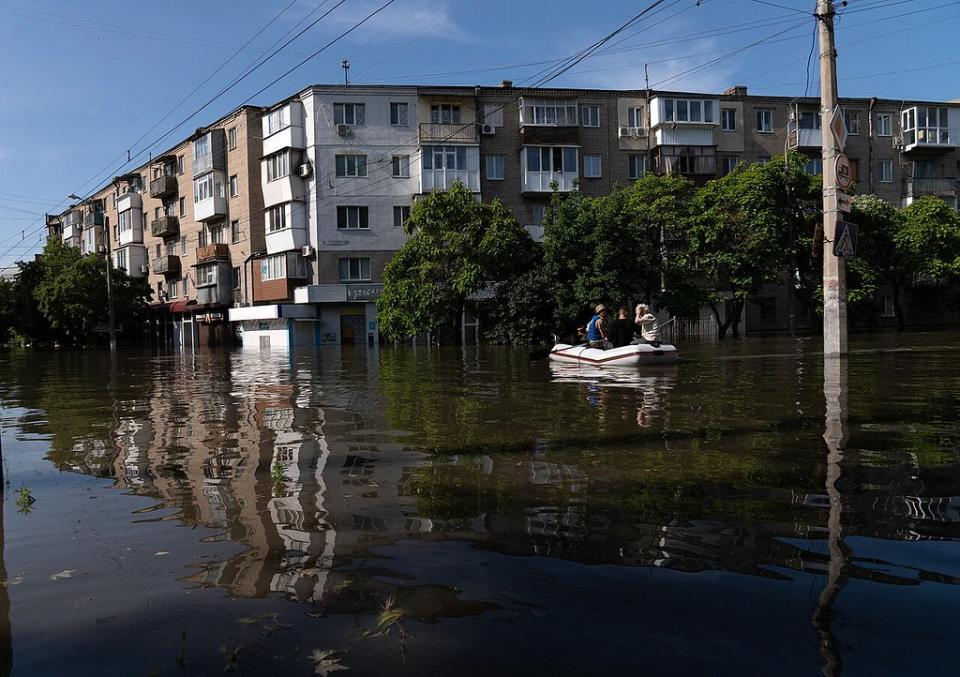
(637, 353)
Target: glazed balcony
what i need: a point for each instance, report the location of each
(213, 252)
(930, 128)
(165, 226)
(168, 265)
(164, 187)
(92, 219)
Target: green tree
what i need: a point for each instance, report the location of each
(930, 236)
(745, 234)
(7, 310)
(458, 246)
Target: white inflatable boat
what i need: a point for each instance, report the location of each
(642, 354)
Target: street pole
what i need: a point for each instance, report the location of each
(834, 271)
(111, 326)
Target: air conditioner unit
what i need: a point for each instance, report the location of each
(624, 131)
(488, 129)
(306, 169)
(144, 269)
(307, 251)
(343, 130)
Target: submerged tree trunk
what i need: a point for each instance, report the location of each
(897, 308)
(721, 326)
(735, 320)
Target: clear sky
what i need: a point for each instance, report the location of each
(82, 81)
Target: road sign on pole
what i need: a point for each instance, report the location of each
(843, 172)
(838, 126)
(845, 240)
(844, 202)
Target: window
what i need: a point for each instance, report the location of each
(591, 165)
(349, 114)
(351, 165)
(183, 246)
(809, 120)
(179, 164)
(121, 258)
(765, 121)
(727, 164)
(688, 110)
(853, 123)
(763, 159)
(206, 276)
(495, 168)
(444, 157)
(637, 166)
(398, 114)
(400, 215)
(126, 221)
(273, 267)
(276, 218)
(156, 213)
(201, 146)
(216, 234)
(590, 116)
(352, 218)
(236, 278)
(202, 238)
(444, 113)
(814, 166)
(232, 138)
(186, 286)
(173, 289)
(884, 124)
(888, 308)
(549, 112)
(143, 220)
(234, 186)
(539, 213)
(171, 247)
(400, 165)
(728, 119)
(277, 120)
(207, 186)
(278, 165)
(549, 159)
(635, 117)
(158, 251)
(886, 171)
(183, 206)
(235, 231)
(354, 269)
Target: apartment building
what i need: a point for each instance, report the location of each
(297, 208)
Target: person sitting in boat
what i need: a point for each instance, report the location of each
(621, 329)
(597, 328)
(648, 325)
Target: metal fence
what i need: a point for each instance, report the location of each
(699, 329)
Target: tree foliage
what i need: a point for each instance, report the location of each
(458, 246)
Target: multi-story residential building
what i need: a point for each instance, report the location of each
(297, 208)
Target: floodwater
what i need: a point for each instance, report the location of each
(467, 512)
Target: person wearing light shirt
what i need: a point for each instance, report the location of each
(647, 324)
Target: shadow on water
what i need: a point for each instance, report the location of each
(688, 512)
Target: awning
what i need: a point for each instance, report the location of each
(182, 306)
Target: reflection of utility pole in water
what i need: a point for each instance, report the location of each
(6, 640)
(835, 436)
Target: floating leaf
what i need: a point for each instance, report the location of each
(325, 662)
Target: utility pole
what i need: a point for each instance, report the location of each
(834, 268)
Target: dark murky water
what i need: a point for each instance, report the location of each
(519, 518)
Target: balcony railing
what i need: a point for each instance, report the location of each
(93, 219)
(442, 132)
(163, 187)
(165, 226)
(543, 182)
(213, 252)
(939, 187)
(166, 265)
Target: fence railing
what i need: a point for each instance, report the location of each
(680, 329)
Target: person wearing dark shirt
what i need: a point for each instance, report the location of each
(621, 329)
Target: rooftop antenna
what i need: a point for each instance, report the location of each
(345, 65)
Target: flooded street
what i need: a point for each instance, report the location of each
(468, 512)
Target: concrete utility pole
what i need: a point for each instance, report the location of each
(834, 268)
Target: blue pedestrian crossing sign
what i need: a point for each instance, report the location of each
(845, 241)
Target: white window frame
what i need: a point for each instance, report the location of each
(634, 159)
(495, 167)
(276, 218)
(728, 119)
(351, 114)
(205, 276)
(444, 157)
(354, 269)
(590, 172)
(235, 231)
(884, 124)
(277, 165)
(854, 118)
(207, 186)
(725, 160)
(445, 113)
(400, 166)
(881, 173)
(689, 111)
(549, 112)
(565, 160)
(278, 120)
(764, 120)
(232, 138)
(350, 165)
(273, 267)
(234, 186)
(400, 215)
(201, 146)
(354, 217)
(635, 117)
(590, 115)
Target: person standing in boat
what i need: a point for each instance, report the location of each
(621, 329)
(648, 325)
(597, 328)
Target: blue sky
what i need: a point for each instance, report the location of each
(82, 81)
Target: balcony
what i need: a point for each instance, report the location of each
(92, 219)
(542, 182)
(167, 265)
(441, 132)
(213, 252)
(164, 187)
(129, 201)
(443, 179)
(212, 152)
(803, 138)
(927, 128)
(210, 208)
(946, 187)
(165, 226)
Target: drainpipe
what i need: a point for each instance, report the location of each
(873, 102)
